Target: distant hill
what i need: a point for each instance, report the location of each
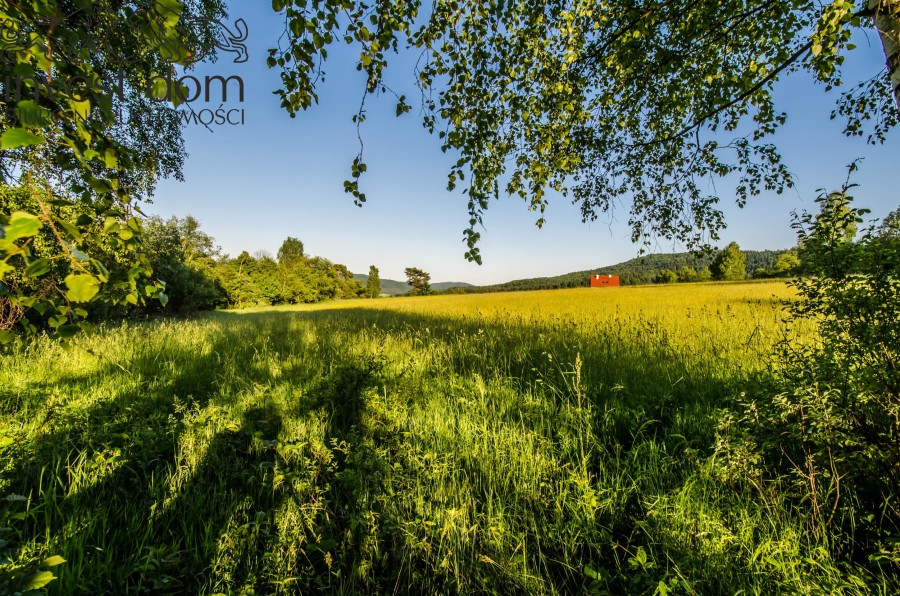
(395, 288)
(640, 270)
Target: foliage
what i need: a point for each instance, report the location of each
(830, 237)
(373, 283)
(787, 264)
(43, 289)
(83, 140)
(730, 264)
(197, 276)
(294, 279)
(825, 437)
(890, 226)
(641, 102)
(291, 252)
(666, 276)
(418, 279)
(686, 274)
(186, 259)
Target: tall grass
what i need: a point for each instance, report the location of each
(542, 442)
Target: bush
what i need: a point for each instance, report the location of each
(826, 436)
(665, 276)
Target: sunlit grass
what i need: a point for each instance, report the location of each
(544, 442)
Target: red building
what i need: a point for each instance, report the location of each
(604, 281)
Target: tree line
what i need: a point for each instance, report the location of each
(199, 277)
(730, 263)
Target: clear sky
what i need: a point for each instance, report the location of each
(251, 186)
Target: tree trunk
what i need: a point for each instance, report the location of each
(887, 22)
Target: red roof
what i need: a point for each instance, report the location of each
(600, 280)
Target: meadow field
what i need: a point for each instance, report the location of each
(536, 442)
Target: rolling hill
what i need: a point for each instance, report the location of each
(640, 270)
(393, 287)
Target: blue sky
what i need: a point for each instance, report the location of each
(253, 185)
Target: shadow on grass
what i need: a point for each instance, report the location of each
(134, 528)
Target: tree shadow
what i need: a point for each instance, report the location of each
(150, 522)
(228, 495)
(97, 475)
(643, 397)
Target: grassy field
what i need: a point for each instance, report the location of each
(543, 442)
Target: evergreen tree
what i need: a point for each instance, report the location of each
(373, 285)
(419, 280)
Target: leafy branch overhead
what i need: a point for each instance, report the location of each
(626, 102)
(82, 141)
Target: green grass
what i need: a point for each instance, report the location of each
(545, 442)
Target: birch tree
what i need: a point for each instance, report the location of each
(642, 105)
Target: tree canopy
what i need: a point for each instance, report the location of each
(419, 280)
(87, 130)
(373, 283)
(730, 264)
(642, 103)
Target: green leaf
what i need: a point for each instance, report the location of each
(57, 321)
(22, 225)
(30, 112)
(19, 137)
(37, 268)
(159, 89)
(81, 108)
(82, 288)
(76, 253)
(99, 186)
(71, 228)
(112, 161)
(67, 331)
(39, 580)
(169, 7)
(6, 337)
(53, 561)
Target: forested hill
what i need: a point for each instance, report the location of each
(393, 287)
(641, 270)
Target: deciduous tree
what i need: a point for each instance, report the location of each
(641, 102)
(730, 264)
(81, 130)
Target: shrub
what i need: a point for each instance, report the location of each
(826, 435)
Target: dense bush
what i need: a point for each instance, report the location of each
(827, 437)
